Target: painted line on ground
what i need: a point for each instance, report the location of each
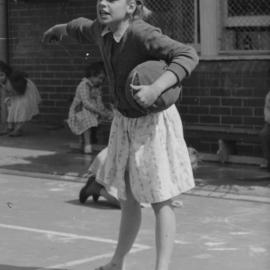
(70, 235)
(87, 260)
(78, 262)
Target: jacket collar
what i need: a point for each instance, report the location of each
(117, 36)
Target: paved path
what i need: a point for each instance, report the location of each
(43, 226)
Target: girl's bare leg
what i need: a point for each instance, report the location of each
(87, 143)
(81, 141)
(10, 126)
(111, 199)
(129, 227)
(165, 233)
(17, 130)
(86, 137)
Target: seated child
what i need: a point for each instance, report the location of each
(87, 109)
(265, 134)
(5, 71)
(22, 102)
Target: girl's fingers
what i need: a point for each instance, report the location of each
(140, 101)
(135, 87)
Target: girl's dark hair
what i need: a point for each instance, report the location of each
(18, 81)
(94, 69)
(141, 12)
(4, 67)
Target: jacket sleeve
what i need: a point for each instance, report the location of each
(84, 30)
(179, 57)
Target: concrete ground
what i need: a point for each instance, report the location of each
(42, 226)
(46, 152)
(224, 223)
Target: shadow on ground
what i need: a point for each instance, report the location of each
(42, 150)
(11, 267)
(230, 178)
(54, 163)
(101, 204)
(46, 150)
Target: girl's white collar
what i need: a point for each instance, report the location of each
(117, 36)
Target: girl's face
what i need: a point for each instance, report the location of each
(3, 77)
(112, 12)
(98, 80)
(9, 89)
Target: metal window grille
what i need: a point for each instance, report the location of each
(176, 18)
(246, 25)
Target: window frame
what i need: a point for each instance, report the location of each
(213, 16)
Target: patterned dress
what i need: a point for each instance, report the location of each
(80, 117)
(153, 150)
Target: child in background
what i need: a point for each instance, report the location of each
(22, 102)
(265, 134)
(147, 160)
(87, 110)
(5, 71)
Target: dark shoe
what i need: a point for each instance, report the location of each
(91, 188)
(5, 131)
(15, 133)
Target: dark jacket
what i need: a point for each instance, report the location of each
(141, 42)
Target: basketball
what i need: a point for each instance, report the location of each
(144, 74)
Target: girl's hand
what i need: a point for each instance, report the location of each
(7, 101)
(107, 115)
(55, 33)
(145, 95)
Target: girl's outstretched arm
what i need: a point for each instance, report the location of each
(55, 33)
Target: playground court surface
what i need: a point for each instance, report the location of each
(42, 226)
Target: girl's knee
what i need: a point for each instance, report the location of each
(157, 206)
(130, 203)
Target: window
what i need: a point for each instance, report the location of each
(246, 25)
(177, 18)
(215, 27)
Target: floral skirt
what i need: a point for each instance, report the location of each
(81, 121)
(153, 152)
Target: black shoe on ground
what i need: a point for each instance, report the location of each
(91, 188)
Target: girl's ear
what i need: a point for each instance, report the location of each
(131, 7)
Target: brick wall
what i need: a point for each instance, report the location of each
(55, 69)
(226, 94)
(218, 94)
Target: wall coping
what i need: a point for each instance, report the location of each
(234, 57)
